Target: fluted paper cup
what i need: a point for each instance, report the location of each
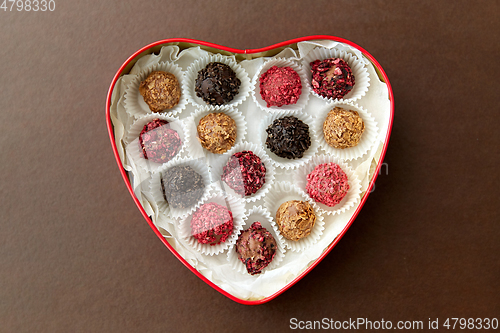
(353, 194)
(133, 147)
(134, 102)
(361, 77)
(258, 214)
(157, 191)
(282, 192)
(368, 137)
(237, 209)
(192, 74)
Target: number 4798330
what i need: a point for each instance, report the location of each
(28, 5)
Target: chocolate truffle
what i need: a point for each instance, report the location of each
(217, 84)
(212, 224)
(158, 142)
(295, 219)
(280, 86)
(331, 78)
(217, 132)
(182, 186)
(343, 128)
(288, 137)
(244, 173)
(160, 90)
(327, 184)
(256, 248)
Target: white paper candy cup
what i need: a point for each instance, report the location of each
(193, 143)
(133, 148)
(361, 77)
(238, 210)
(353, 194)
(367, 138)
(258, 214)
(282, 192)
(282, 162)
(280, 62)
(192, 74)
(217, 171)
(156, 190)
(134, 102)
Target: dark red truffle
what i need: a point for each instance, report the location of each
(158, 142)
(331, 78)
(212, 224)
(256, 248)
(244, 173)
(280, 86)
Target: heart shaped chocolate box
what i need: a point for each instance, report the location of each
(211, 140)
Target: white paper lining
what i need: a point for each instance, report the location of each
(216, 268)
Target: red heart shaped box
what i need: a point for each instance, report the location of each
(266, 51)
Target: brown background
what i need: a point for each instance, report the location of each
(77, 256)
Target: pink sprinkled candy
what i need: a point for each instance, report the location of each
(327, 184)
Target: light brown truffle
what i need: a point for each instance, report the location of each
(160, 90)
(343, 128)
(217, 132)
(295, 219)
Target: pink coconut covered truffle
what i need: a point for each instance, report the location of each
(280, 86)
(327, 184)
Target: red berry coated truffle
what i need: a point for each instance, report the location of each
(158, 142)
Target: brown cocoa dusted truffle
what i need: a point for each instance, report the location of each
(256, 248)
(217, 132)
(343, 128)
(217, 84)
(295, 219)
(161, 91)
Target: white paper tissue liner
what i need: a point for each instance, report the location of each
(216, 268)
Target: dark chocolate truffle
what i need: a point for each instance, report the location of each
(217, 132)
(327, 184)
(244, 173)
(158, 142)
(288, 137)
(331, 78)
(280, 86)
(160, 90)
(343, 128)
(182, 186)
(295, 219)
(256, 248)
(217, 84)
(212, 224)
